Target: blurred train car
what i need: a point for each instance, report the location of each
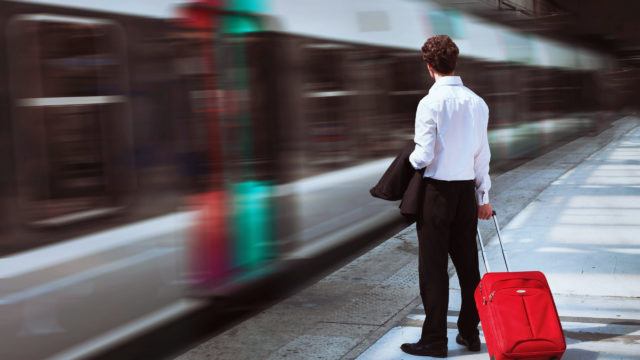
(326, 92)
(93, 175)
(150, 155)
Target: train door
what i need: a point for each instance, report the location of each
(250, 130)
(409, 83)
(327, 98)
(70, 115)
(236, 235)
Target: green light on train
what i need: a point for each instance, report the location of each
(247, 5)
(239, 24)
(253, 223)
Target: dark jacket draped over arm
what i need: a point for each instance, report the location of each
(402, 182)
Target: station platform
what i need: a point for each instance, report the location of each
(572, 213)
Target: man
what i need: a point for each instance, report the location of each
(451, 145)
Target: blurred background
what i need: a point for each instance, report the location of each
(158, 155)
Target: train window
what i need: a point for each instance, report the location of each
(324, 66)
(326, 104)
(71, 128)
(76, 61)
(194, 94)
(375, 126)
(410, 85)
(327, 132)
(505, 82)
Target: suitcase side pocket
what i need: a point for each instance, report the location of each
(543, 319)
(527, 320)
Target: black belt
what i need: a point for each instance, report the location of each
(428, 179)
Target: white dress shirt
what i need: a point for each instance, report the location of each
(451, 136)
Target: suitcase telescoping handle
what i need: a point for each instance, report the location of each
(484, 254)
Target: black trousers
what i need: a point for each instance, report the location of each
(446, 226)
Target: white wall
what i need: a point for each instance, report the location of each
(148, 8)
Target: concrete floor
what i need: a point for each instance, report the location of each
(582, 231)
(570, 213)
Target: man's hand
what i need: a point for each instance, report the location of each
(485, 211)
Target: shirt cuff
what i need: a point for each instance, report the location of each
(482, 196)
(412, 161)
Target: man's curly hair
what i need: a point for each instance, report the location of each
(441, 53)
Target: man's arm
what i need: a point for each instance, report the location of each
(481, 168)
(425, 136)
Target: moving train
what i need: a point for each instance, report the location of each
(156, 153)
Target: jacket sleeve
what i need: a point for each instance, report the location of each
(481, 161)
(425, 136)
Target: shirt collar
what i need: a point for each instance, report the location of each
(448, 80)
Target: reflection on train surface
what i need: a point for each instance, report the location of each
(149, 161)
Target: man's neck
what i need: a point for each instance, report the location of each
(437, 76)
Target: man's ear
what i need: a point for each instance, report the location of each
(430, 71)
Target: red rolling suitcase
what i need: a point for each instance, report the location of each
(517, 312)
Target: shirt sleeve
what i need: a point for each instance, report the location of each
(481, 163)
(425, 136)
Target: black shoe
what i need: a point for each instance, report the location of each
(433, 350)
(472, 345)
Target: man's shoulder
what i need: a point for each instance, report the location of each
(472, 93)
(432, 102)
(433, 99)
(475, 97)
(428, 101)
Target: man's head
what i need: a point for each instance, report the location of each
(440, 53)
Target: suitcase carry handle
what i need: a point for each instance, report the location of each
(484, 254)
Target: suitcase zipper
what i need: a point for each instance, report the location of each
(526, 313)
(504, 280)
(484, 299)
(492, 324)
